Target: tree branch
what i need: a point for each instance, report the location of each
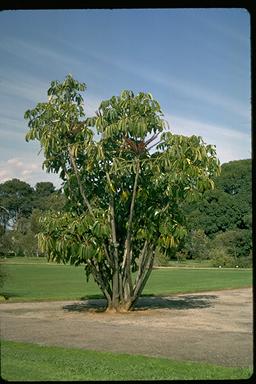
(144, 277)
(98, 278)
(74, 166)
(127, 252)
(86, 201)
(116, 280)
(141, 262)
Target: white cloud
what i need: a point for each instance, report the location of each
(26, 169)
(16, 163)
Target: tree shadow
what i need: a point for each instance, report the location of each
(90, 305)
(148, 303)
(175, 302)
(8, 295)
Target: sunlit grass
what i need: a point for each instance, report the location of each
(44, 281)
(30, 362)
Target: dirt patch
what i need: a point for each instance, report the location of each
(214, 327)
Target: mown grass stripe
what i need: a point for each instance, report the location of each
(63, 282)
(30, 362)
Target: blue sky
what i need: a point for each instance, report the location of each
(195, 62)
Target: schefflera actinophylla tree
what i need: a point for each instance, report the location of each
(124, 197)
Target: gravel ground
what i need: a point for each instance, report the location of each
(213, 327)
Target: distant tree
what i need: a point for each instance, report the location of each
(47, 198)
(17, 197)
(196, 245)
(19, 223)
(228, 206)
(4, 219)
(237, 243)
(122, 201)
(44, 188)
(236, 178)
(6, 244)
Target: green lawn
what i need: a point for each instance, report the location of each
(28, 279)
(42, 281)
(30, 362)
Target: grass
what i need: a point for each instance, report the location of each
(33, 279)
(42, 281)
(25, 260)
(190, 263)
(30, 362)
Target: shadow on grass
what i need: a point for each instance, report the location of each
(9, 295)
(149, 303)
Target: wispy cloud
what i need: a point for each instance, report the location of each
(184, 87)
(26, 49)
(226, 31)
(194, 91)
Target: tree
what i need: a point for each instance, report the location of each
(236, 178)
(16, 197)
(237, 243)
(44, 188)
(123, 200)
(197, 245)
(47, 198)
(229, 205)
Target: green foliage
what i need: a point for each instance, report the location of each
(229, 205)
(236, 178)
(22, 207)
(43, 189)
(181, 255)
(196, 245)
(220, 258)
(161, 259)
(225, 214)
(6, 244)
(122, 200)
(237, 243)
(15, 197)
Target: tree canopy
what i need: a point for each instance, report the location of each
(229, 205)
(21, 206)
(15, 200)
(123, 199)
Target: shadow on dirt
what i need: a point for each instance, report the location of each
(149, 303)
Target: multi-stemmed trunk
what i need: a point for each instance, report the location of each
(118, 287)
(123, 289)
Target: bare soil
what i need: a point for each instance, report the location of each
(213, 327)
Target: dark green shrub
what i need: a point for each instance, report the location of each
(220, 258)
(161, 259)
(238, 242)
(196, 245)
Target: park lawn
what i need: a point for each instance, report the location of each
(42, 281)
(31, 362)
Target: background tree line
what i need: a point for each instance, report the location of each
(219, 225)
(21, 206)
